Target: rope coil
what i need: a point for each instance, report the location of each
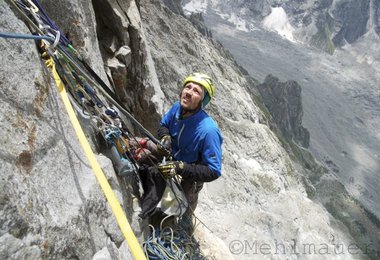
(166, 243)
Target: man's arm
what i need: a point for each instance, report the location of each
(198, 172)
(211, 151)
(162, 131)
(211, 160)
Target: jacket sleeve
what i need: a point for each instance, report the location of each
(210, 167)
(198, 172)
(162, 131)
(211, 151)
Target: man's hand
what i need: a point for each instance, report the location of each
(171, 168)
(165, 148)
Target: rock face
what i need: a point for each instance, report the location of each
(174, 6)
(285, 105)
(50, 203)
(198, 21)
(117, 25)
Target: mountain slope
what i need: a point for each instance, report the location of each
(323, 24)
(259, 186)
(340, 102)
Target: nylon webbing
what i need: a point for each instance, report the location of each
(101, 178)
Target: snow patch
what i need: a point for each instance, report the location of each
(224, 16)
(247, 163)
(200, 6)
(238, 22)
(278, 21)
(365, 59)
(197, 6)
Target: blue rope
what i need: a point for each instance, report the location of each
(50, 22)
(169, 244)
(25, 36)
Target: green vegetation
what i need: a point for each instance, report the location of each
(258, 102)
(322, 39)
(313, 169)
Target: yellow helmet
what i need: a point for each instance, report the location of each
(205, 81)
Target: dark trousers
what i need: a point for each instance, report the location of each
(191, 190)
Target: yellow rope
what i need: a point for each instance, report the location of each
(102, 180)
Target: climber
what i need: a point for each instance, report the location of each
(193, 138)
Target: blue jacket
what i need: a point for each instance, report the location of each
(195, 139)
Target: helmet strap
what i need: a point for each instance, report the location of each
(205, 100)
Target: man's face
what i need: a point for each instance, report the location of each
(191, 96)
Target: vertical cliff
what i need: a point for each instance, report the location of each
(284, 102)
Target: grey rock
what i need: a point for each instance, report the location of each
(109, 43)
(51, 203)
(121, 22)
(174, 6)
(284, 102)
(13, 248)
(103, 254)
(124, 54)
(109, 252)
(76, 19)
(125, 252)
(118, 72)
(198, 22)
(353, 17)
(116, 65)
